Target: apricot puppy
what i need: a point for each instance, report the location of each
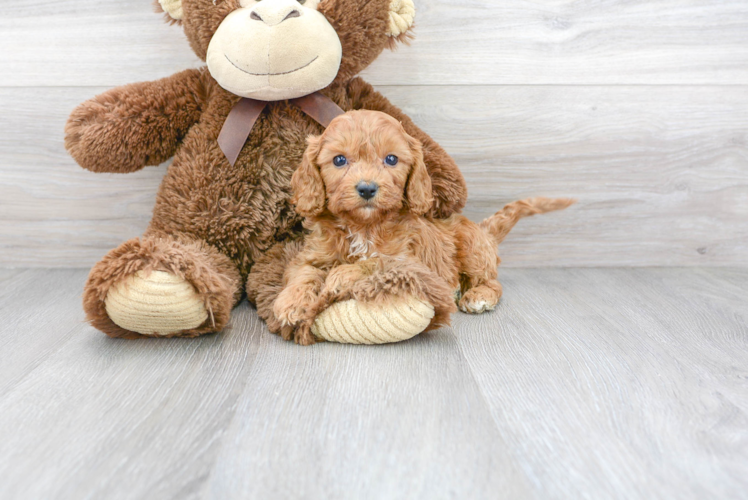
(364, 189)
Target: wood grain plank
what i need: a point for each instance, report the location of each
(661, 173)
(89, 43)
(11, 280)
(585, 383)
(51, 302)
(568, 42)
(337, 421)
(459, 42)
(105, 418)
(109, 418)
(643, 369)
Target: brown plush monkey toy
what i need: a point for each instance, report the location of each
(277, 72)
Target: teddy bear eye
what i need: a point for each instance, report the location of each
(340, 161)
(391, 160)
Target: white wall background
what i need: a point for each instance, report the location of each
(639, 108)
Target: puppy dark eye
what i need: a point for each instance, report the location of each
(302, 2)
(340, 161)
(391, 160)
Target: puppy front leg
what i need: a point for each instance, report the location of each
(341, 280)
(298, 304)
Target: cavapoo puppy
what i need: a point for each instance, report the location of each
(364, 190)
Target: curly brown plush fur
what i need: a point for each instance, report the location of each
(364, 188)
(228, 216)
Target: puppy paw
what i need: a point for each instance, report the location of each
(287, 332)
(300, 333)
(341, 280)
(479, 300)
(286, 311)
(294, 305)
(303, 335)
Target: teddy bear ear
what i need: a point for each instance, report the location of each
(402, 17)
(173, 8)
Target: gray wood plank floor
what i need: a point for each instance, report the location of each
(585, 383)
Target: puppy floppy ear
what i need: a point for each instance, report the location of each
(418, 191)
(306, 183)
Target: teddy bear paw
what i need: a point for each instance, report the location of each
(354, 322)
(156, 303)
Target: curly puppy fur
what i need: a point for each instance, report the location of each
(365, 189)
(229, 216)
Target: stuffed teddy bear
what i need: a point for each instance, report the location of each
(277, 72)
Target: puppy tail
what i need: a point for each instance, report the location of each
(499, 224)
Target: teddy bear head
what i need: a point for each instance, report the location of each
(283, 49)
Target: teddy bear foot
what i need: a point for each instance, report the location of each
(155, 304)
(161, 287)
(355, 322)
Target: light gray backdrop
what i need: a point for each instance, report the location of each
(638, 108)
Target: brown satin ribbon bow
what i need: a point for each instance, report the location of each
(244, 115)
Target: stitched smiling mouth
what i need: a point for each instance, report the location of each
(270, 74)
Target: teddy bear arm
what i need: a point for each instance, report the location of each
(140, 124)
(450, 189)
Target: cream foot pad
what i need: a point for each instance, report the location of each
(157, 303)
(353, 322)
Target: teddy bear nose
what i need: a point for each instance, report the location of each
(271, 17)
(367, 190)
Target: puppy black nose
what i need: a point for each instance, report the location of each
(367, 190)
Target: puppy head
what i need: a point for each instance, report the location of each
(365, 165)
